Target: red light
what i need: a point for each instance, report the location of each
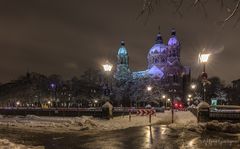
(176, 105)
(180, 105)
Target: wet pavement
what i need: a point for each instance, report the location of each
(156, 137)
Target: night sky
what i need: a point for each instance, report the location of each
(67, 37)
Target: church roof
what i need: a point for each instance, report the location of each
(155, 71)
(158, 47)
(139, 74)
(122, 50)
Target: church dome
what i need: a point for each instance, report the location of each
(158, 47)
(122, 50)
(173, 40)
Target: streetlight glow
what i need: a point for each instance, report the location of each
(163, 96)
(203, 56)
(193, 86)
(149, 88)
(189, 95)
(107, 67)
(169, 99)
(52, 85)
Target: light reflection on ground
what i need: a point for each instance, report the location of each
(156, 137)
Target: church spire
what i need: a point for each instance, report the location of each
(123, 71)
(122, 43)
(159, 39)
(122, 50)
(173, 32)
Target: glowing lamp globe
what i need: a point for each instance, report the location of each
(52, 85)
(203, 56)
(107, 67)
(17, 103)
(193, 86)
(149, 88)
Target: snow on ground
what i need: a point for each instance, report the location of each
(6, 144)
(63, 124)
(222, 126)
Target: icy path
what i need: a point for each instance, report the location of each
(65, 124)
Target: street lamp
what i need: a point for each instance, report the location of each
(107, 67)
(203, 58)
(164, 97)
(193, 86)
(54, 94)
(189, 95)
(18, 103)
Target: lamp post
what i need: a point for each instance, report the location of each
(203, 58)
(149, 89)
(171, 93)
(53, 88)
(107, 67)
(164, 98)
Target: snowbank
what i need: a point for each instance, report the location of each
(6, 144)
(222, 127)
(184, 119)
(203, 104)
(49, 123)
(63, 124)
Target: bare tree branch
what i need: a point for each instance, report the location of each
(148, 7)
(233, 12)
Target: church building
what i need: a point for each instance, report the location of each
(164, 66)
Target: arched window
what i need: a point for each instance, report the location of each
(162, 60)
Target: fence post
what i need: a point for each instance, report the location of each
(150, 118)
(130, 116)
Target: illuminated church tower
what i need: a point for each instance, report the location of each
(123, 72)
(173, 49)
(157, 58)
(174, 69)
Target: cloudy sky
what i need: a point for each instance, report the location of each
(68, 36)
